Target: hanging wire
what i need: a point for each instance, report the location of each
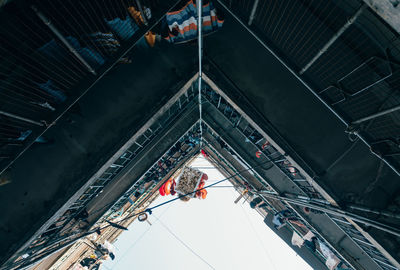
(331, 56)
(302, 31)
(279, 35)
(75, 28)
(22, 60)
(291, 37)
(25, 85)
(200, 46)
(263, 16)
(141, 236)
(280, 18)
(27, 105)
(73, 63)
(60, 13)
(257, 236)
(185, 245)
(43, 57)
(270, 17)
(190, 193)
(309, 47)
(18, 91)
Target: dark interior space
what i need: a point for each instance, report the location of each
(83, 81)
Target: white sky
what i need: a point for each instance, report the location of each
(225, 235)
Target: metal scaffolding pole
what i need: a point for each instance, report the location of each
(375, 115)
(11, 115)
(200, 45)
(47, 22)
(253, 12)
(347, 206)
(333, 39)
(335, 211)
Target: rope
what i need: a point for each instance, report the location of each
(200, 45)
(258, 238)
(149, 210)
(186, 245)
(139, 238)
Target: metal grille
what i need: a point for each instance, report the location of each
(345, 53)
(53, 52)
(363, 243)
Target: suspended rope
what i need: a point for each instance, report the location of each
(200, 45)
(149, 210)
(184, 244)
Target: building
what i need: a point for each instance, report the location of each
(299, 100)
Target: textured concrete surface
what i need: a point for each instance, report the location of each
(46, 175)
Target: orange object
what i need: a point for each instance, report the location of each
(265, 145)
(203, 193)
(161, 190)
(258, 154)
(198, 194)
(150, 38)
(167, 187)
(204, 177)
(136, 15)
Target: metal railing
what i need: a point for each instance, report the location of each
(279, 160)
(267, 187)
(64, 224)
(157, 172)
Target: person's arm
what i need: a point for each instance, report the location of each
(280, 226)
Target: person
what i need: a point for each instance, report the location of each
(82, 218)
(257, 202)
(101, 251)
(278, 221)
(87, 262)
(311, 244)
(284, 216)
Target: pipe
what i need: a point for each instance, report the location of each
(377, 212)
(307, 85)
(375, 115)
(333, 39)
(47, 22)
(336, 212)
(350, 206)
(253, 12)
(11, 115)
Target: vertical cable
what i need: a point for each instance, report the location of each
(200, 44)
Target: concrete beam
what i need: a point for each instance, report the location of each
(146, 159)
(259, 128)
(101, 170)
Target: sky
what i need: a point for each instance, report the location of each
(214, 233)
